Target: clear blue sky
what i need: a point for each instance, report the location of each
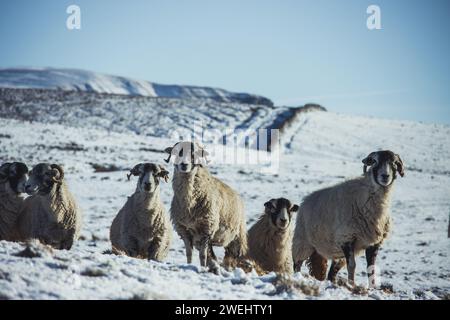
(290, 51)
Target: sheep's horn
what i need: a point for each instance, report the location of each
(163, 173)
(135, 171)
(59, 170)
(4, 170)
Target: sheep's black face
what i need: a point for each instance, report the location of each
(186, 156)
(16, 173)
(149, 175)
(384, 166)
(280, 211)
(42, 178)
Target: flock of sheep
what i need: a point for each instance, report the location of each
(336, 223)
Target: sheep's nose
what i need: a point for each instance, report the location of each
(385, 176)
(147, 186)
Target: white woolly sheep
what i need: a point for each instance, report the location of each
(142, 229)
(270, 238)
(50, 214)
(13, 177)
(340, 222)
(205, 211)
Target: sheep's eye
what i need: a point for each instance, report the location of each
(180, 153)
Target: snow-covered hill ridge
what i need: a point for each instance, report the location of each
(150, 116)
(81, 80)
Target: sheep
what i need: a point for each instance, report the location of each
(13, 177)
(142, 229)
(340, 222)
(205, 211)
(270, 238)
(50, 214)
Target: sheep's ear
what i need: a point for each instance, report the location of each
(368, 161)
(271, 204)
(295, 208)
(400, 166)
(163, 174)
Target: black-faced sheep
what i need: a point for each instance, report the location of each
(340, 222)
(205, 211)
(141, 228)
(13, 177)
(50, 214)
(270, 238)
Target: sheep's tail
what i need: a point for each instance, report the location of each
(317, 266)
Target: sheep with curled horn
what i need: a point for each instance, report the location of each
(142, 228)
(205, 211)
(345, 220)
(13, 177)
(50, 214)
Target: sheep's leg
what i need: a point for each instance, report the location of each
(336, 265)
(317, 266)
(153, 249)
(203, 250)
(371, 256)
(66, 244)
(132, 248)
(298, 265)
(68, 240)
(300, 254)
(349, 252)
(188, 244)
(211, 254)
(189, 247)
(233, 252)
(229, 260)
(212, 260)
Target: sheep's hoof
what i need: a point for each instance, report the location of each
(214, 267)
(350, 285)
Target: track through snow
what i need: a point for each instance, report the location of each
(325, 149)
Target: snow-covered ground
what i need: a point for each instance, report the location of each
(319, 149)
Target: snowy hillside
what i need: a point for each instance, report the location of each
(158, 117)
(320, 149)
(81, 80)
